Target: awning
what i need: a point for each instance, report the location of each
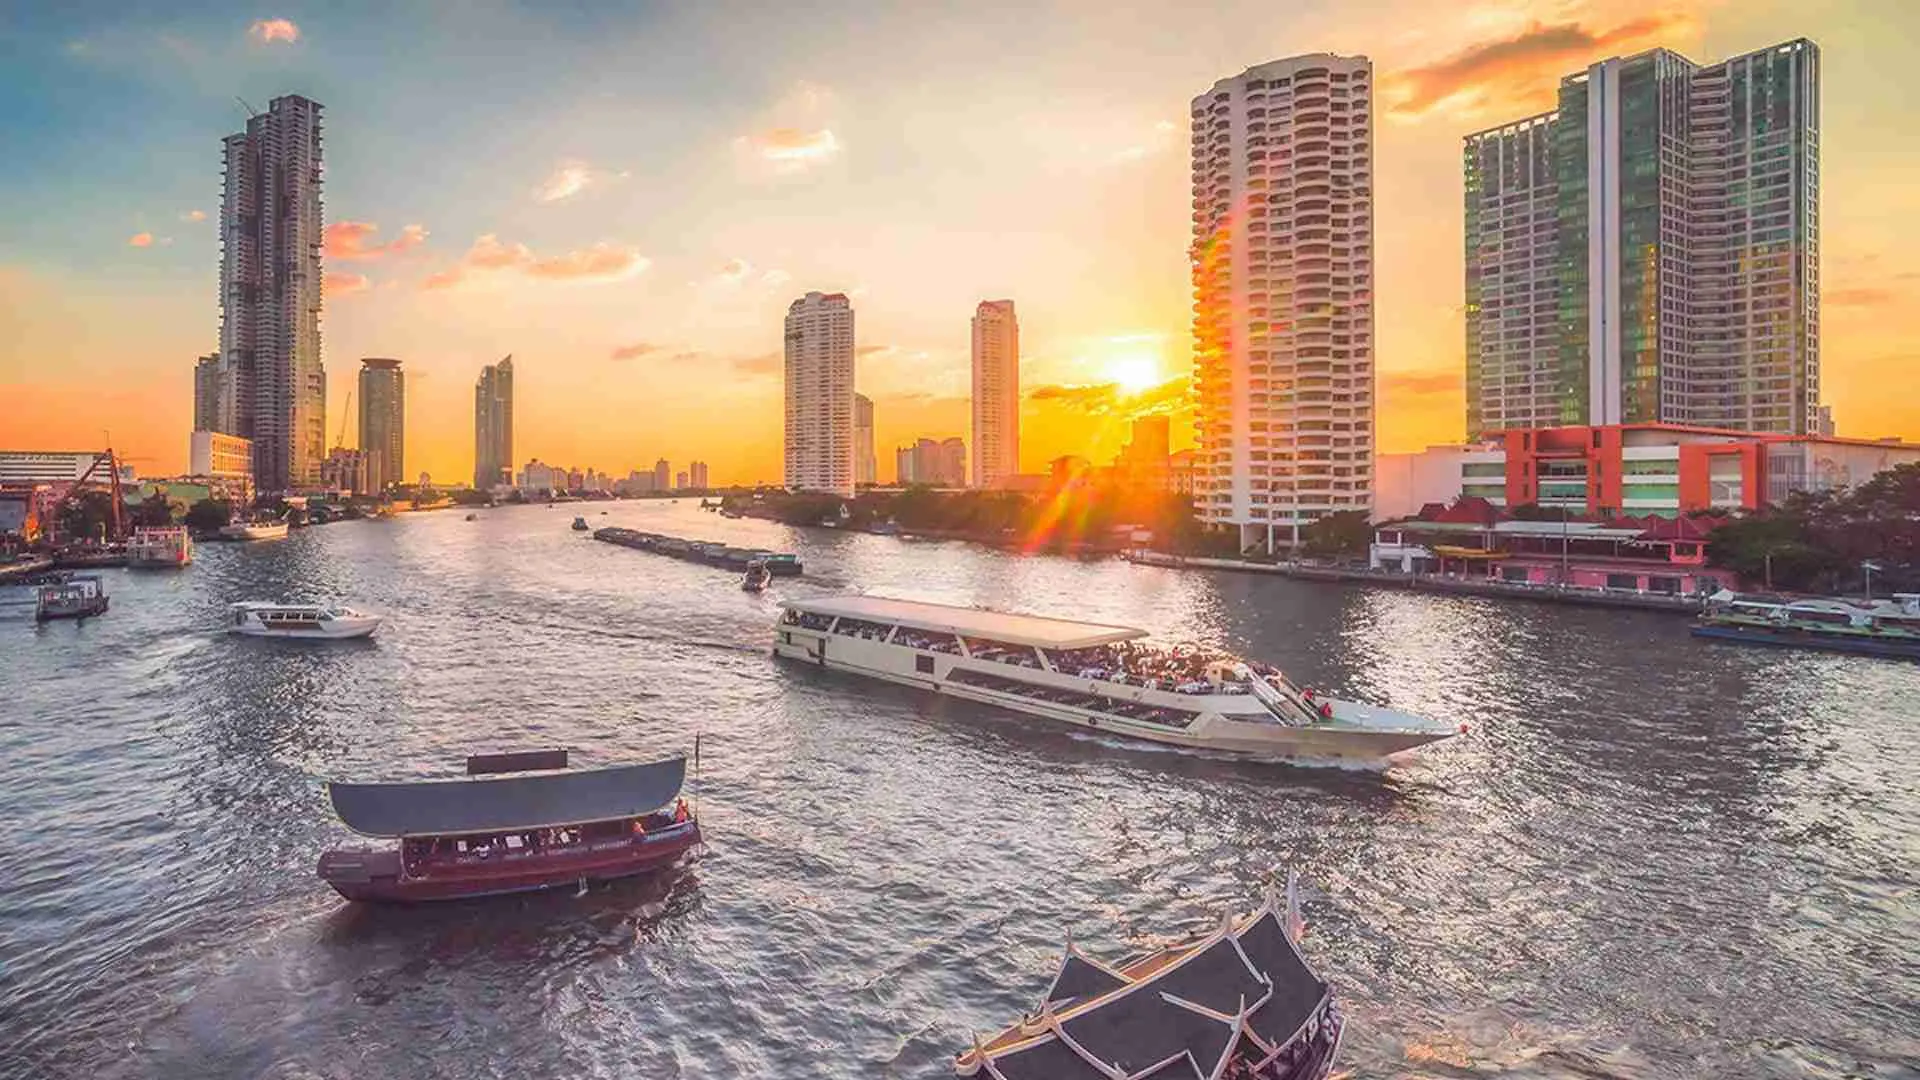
(454, 807)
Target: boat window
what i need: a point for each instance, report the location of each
(239, 618)
(813, 620)
(861, 628)
(1003, 652)
(923, 664)
(927, 640)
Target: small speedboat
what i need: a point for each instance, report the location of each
(254, 530)
(473, 517)
(579, 524)
(758, 577)
(322, 621)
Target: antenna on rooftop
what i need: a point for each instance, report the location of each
(251, 111)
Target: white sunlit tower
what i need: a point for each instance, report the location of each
(819, 394)
(866, 466)
(493, 425)
(270, 227)
(383, 421)
(996, 393)
(1283, 296)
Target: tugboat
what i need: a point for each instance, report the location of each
(580, 524)
(1240, 1001)
(540, 829)
(757, 577)
(78, 597)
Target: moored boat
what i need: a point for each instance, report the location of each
(160, 547)
(543, 827)
(1889, 628)
(1094, 676)
(325, 622)
(254, 530)
(1238, 1002)
(79, 596)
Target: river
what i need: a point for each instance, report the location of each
(1651, 857)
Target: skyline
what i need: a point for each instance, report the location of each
(909, 202)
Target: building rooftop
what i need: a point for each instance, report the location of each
(1036, 630)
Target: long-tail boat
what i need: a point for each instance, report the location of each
(1239, 1003)
(543, 827)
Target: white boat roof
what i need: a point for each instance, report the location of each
(1034, 630)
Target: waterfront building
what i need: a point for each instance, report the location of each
(539, 477)
(576, 480)
(996, 392)
(819, 394)
(493, 425)
(217, 455)
(1635, 469)
(866, 467)
(697, 474)
(940, 463)
(680, 481)
(209, 378)
(274, 388)
(383, 421)
(346, 471)
(1648, 251)
(25, 467)
(1282, 264)
(1180, 465)
(662, 475)
(1146, 460)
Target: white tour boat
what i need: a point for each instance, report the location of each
(1095, 676)
(170, 546)
(254, 530)
(328, 621)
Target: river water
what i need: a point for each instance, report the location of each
(1651, 857)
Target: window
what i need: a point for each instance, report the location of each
(923, 664)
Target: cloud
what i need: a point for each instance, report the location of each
(603, 262)
(1099, 399)
(735, 271)
(341, 283)
(349, 240)
(1521, 69)
(194, 215)
(569, 178)
(140, 239)
(636, 350)
(1858, 296)
(1421, 383)
(869, 350)
(268, 31)
(786, 151)
(775, 278)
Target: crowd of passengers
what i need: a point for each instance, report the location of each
(460, 849)
(807, 619)
(1132, 710)
(1180, 669)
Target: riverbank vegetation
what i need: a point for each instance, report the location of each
(1826, 541)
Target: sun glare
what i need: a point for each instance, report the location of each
(1134, 374)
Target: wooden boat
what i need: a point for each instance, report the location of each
(160, 547)
(1888, 628)
(1238, 1002)
(78, 597)
(543, 828)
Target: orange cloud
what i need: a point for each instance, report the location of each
(140, 239)
(602, 262)
(569, 178)
(1521, 72)
(350, 240)
(340, 283)
(194, 215)
(790, 150)
(268, 31)
(1420, 383)
(1859, 296)
(635, 351)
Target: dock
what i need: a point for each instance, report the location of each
(709, 552)
(1433, 583)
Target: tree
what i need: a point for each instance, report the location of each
(1341, 533)
(208, 515)
(86, 516)
(154, 511)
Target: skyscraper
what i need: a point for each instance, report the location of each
(383, 421)
(697, 472)
(208, 376)
(866, 468)
(996, 392)
(1649, 251)
(493, 425)
(819, 392)
(270, 228)
(662, 475)
(1283, 284)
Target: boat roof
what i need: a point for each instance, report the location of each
(504, 804)
(1014, 629)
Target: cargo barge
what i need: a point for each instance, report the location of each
(701, 551)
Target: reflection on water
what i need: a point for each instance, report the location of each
(1651, 857)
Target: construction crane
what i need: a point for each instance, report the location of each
(117, 518)
(340, 440)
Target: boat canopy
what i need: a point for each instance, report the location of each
(1032, 630)
(459, 807)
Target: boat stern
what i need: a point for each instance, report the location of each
(360, 874)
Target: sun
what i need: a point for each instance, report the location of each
(1134, 374)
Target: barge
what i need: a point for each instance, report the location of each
(701, 551)
(1886, 628)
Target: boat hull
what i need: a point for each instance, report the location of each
(85, 609)
(1797, 638)
(254, 532)
(1208, 729)
(374, 877)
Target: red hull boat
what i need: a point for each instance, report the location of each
(466, 839)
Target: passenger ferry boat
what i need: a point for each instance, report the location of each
(1882, 628)
(254, 530)
(543, 828)
(259, 618)
(78, 596)
(1239, 1002)
(160, 547)
(1094, 676)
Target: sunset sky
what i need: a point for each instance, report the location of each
(626, 196)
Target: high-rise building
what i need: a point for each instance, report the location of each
(345, 470)
(866, 467)
(1648, 252)
(1146, 461)
(941, 463)
(209, 375)
(270, 228)
(1283, 284)
(697, 474)
(819, 392)
(996, 392)
(383, 421)
(493, 425)
(662, 475)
